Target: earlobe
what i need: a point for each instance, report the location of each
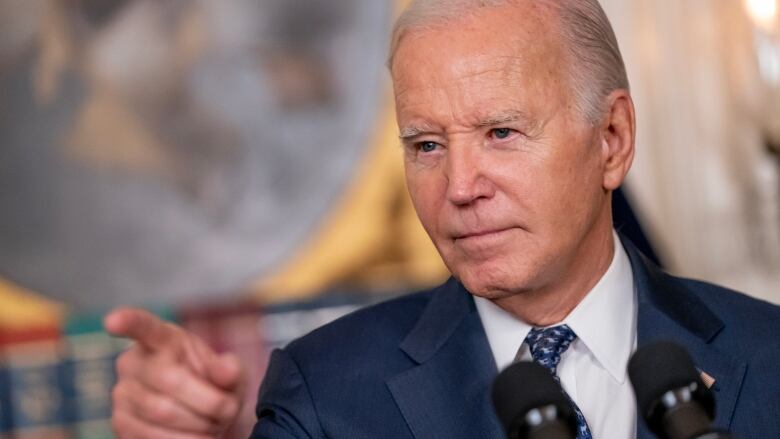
(618, 136)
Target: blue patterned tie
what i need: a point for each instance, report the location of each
(546, 346)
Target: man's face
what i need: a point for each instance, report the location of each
(505, 174)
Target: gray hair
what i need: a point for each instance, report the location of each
(596, 65)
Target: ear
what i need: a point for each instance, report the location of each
(618, 131)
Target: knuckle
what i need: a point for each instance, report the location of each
(174, 328)
(116, 424)
(161, 411)
(170, 379)
(124, 364)
(232, 409)
(118, 395)
(120, 425)
(216, 404)
(227, 409)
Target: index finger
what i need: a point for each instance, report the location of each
(142, 326)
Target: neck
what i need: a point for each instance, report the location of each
(550, 305)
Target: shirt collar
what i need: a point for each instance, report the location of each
(504, 331)
(609, 335)
(605, 320)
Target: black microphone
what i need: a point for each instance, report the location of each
(531, 405)
(670, 394)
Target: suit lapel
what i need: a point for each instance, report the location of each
(447, 393)
(669, 311)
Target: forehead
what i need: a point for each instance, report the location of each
(497, 57)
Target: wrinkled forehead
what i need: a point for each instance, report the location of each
(506, 36)
(519, 19)
(475, 59)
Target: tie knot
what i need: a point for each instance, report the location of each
(548, 344)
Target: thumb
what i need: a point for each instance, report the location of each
(225, 370)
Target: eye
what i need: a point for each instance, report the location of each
(428, 146)
(501, 133)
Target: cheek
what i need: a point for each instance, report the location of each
(573, 190)
(428, 195)
(522, 182)
(550, 189)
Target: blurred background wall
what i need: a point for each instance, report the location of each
(706, 80)
(160, 151)
(234, 164)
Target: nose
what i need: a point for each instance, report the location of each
(467, 178)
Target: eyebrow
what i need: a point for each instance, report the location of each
(413, 131)
(502, 118)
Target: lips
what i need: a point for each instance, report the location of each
(480, 233)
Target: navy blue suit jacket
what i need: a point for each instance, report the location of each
(420, 366)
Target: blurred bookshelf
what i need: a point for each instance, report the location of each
(56, 375)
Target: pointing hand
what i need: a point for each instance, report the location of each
(170, 383)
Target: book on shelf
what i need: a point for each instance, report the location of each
(88, 376)
(32, 367)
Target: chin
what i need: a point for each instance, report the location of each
(492, 282)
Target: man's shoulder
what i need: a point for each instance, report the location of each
(690, 300)
(370, 332)
(732, 305)
(750, 325)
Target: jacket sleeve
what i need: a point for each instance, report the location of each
(285, 409)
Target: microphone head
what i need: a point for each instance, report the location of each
(525, 386)
(660, 367)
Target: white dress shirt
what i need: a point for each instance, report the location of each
(593, 369)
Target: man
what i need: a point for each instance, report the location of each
(517, 125)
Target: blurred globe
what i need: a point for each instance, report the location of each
(156, 151)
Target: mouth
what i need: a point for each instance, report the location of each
(481, 234)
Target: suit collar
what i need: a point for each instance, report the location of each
(447, 393)
(667, 310)
(657, 291)
(449, 305)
